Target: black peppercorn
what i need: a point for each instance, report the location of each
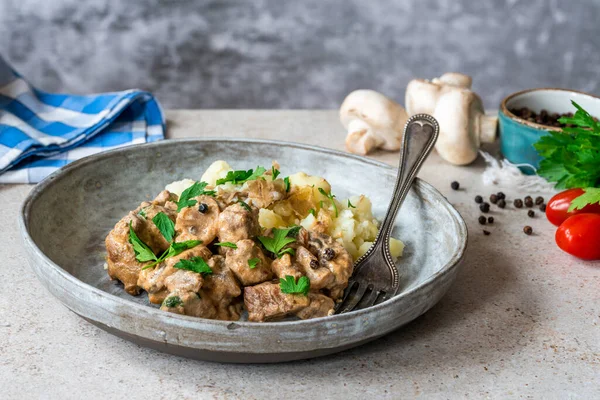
(501, 196)
(528, 201)
(486, 233)
(518, 203)
(528, 230)
(455, 185)
(539, 200)
(484, 207)
(203, 208)
(314, 264)
(543, 208)
(501, 203)
(478, 199)
(328, 254)
(482, 220)
(490, 220)
(530, 214)
(493, 199)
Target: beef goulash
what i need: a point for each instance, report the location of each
(239, 240)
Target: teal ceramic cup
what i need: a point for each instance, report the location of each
(518, 135)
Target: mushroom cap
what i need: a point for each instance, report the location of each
(458, 113)
(372, 120)
(455, 79)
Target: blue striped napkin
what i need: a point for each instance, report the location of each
(41, 132)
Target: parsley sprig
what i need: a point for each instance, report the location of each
(590, 196)
(280, 239)
(330, 197)
(275, 172)
(571, 158)
(194, 264)
(197, 189)
(241, 176)
(290, 286)
(227, 244)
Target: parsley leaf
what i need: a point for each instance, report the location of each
(194, 264)
(571, 158)
(313, 212)
(241, 176)
(142, 213)
(289, 285)
(590, 196)
(253, 262)
(172, 301)
(164, 225)
(227, 244)
(279, 240)
(274, 172)
(197, 189)
(245, 205)
(174, 249)
(330, 197)
(286, 181)
(350, 205)
(142, 251)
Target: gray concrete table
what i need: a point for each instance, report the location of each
(522, 319)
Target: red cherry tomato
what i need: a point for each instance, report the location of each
(556, 209)
(579, 236)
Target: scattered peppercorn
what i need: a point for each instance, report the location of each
(528, 230)
(328, 254)
(543, 208)
(486, 233)
(528, 201)
(518, 203)
(482, 220)
(455, 185)
(539, 200)
(484, 207)
(530, 214)
(493, 199)
(478, 199)
(203, 208)
(314, 264)
(501, 196)
(490, 220)
(501, 203)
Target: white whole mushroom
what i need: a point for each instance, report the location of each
(373, 121)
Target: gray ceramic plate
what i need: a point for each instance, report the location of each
(66, 217)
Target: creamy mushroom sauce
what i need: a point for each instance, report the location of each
(276, 246)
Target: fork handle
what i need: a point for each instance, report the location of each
(420, 134)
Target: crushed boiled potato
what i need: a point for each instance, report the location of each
(309, 204)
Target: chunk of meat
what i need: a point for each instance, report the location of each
(198, 222)
(335, 257)
(165, 278)
(237, 261)
(237, 223)
(122, 264)
(320, 306)
(221, 287)
(319, 275)
(262, 193)
(189, 303)
(284, 266)
(266, 302)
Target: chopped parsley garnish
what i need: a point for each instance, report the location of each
(274, 172)
(279, 240)
(286, 181)
(142, 213)
(313, 212)
(350, 205)
(194, 264)
(590, 196)
(227, 244)
(164, 225)
(197, 189)
(172, 301)
(253, 262)
(241, 176)
(290, 286)
(330, 197)
(245, 205)
(142, 251)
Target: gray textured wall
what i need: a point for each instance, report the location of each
(299, 54)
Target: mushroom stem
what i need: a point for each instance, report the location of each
(487, 128)
(360, 139)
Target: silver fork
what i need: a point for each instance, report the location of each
(376, 278)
